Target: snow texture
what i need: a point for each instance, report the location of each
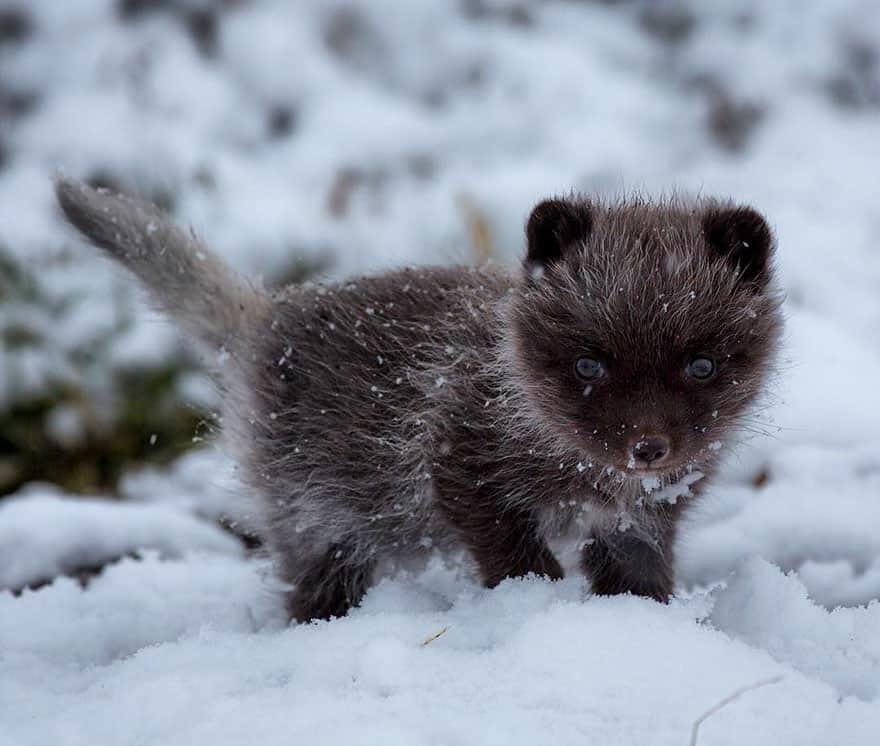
(43, 535)
(373, 132)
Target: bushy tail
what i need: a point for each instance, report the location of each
(186, 280)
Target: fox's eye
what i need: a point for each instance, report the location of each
(588, 369)
(700, 367)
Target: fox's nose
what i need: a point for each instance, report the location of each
(650, 450)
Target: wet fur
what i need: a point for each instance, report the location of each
(384, 416)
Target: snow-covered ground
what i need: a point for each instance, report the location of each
(391, 131)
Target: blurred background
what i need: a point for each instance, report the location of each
(319, 138)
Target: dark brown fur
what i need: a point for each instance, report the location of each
(440, 407)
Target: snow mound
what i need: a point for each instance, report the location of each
(44, 534)
(195, 651)
(769, 610)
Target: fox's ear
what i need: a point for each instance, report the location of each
(555, 226)
(743, 237)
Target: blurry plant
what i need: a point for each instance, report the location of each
(281, 121)
(514, 13)
(15, 102)
(731, 121)
(372, 180)
(56, 437)
(203, 27)
(303, 267)
(350, 179)
(668, 22)
(15, 281)
(856, 82)
(15, 25)
(200, 18)
(479, 229)
(354, 39)
(56, 424)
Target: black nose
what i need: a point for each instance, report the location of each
(650, 450)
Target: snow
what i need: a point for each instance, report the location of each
(671, 492)
(407, 119)
(766, 609)
(195, 651)
(43, 534)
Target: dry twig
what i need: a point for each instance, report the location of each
(478, 229)
(726, 701)
(433, 637)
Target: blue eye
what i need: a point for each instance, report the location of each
(700, 367)
(588, 369)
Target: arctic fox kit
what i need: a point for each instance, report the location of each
(587, 395)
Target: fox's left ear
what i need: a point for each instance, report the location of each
(742, 236)
(554, 226)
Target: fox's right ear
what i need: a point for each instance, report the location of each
(742, 236)
(554, 226)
